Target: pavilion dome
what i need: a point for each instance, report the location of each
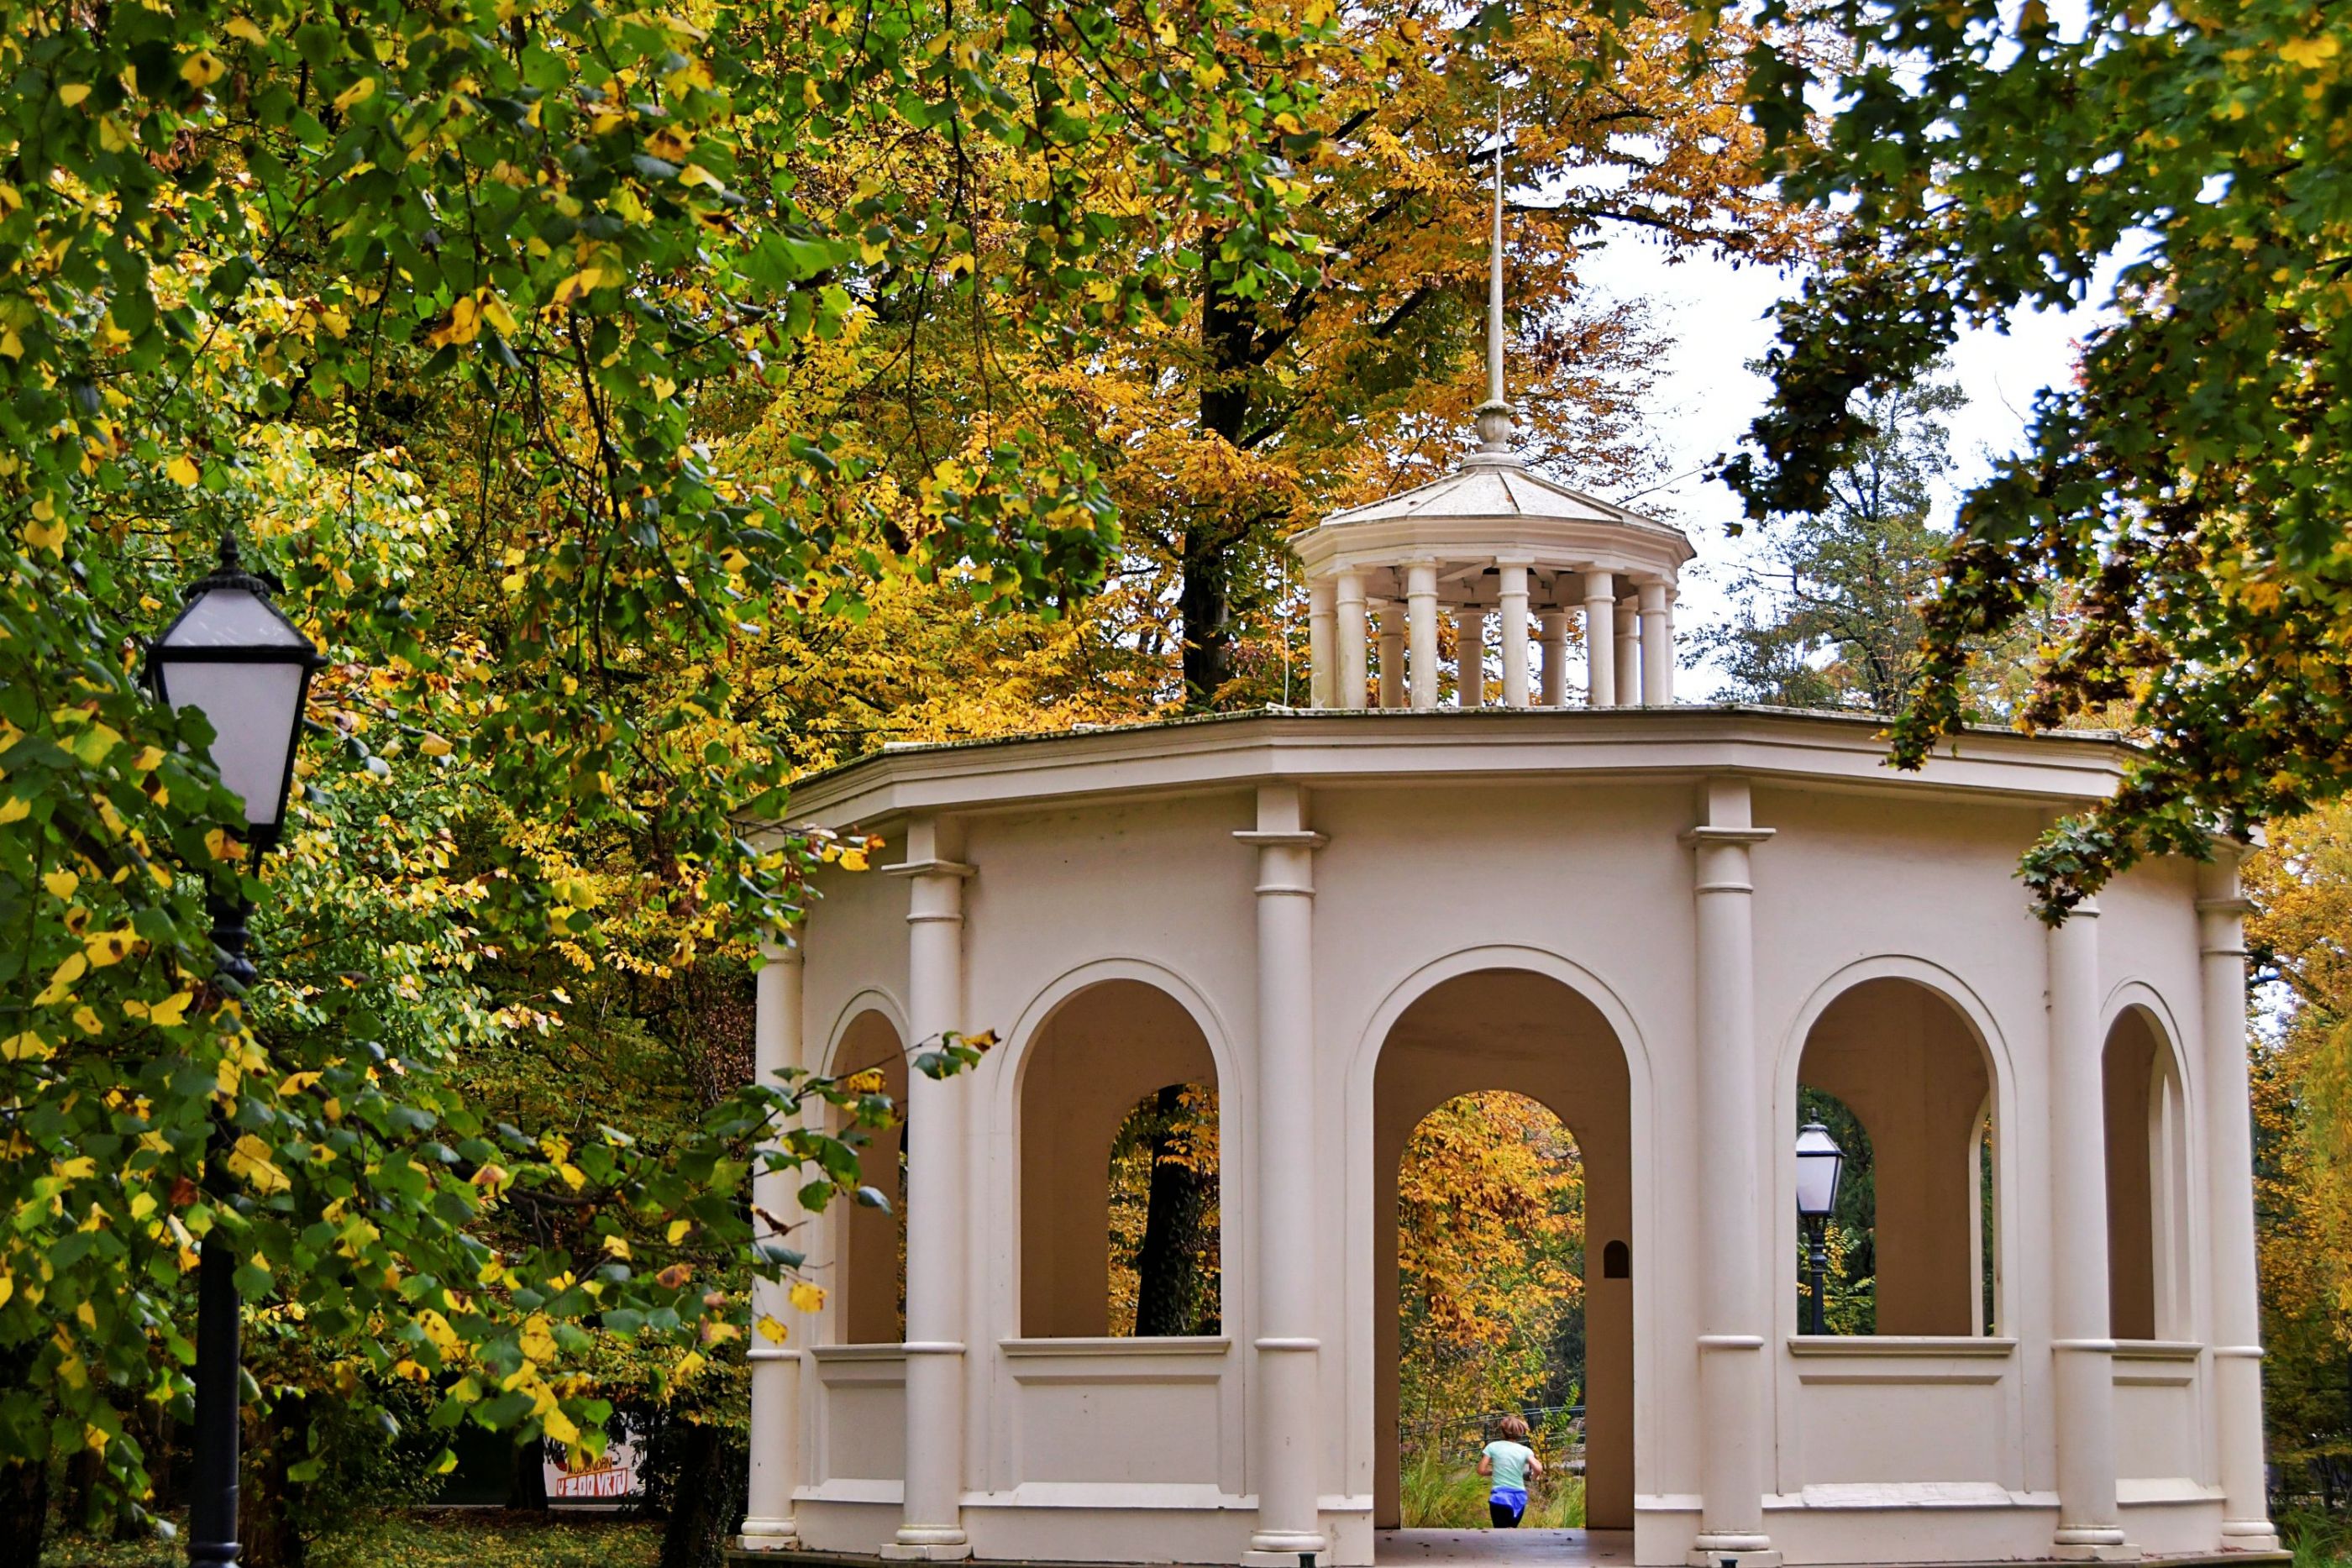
(1491, 536)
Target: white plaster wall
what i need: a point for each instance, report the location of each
(1584, 878)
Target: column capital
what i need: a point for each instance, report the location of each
(1726, 835)
(1297, 838)
(932, 865)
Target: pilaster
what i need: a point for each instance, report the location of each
(2082, 1343)
(1285, 1350)
(1736, 1433)
(931, 1525)
(2230, 1174)
(769, 1524)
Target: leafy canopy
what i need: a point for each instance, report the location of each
(244, 249)
(2190, 489)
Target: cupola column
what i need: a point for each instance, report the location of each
(1512, 628)
(1735, 1432)
(1600, 646)
(1350, 595)
(2229, 1168)
(1470, 657)
(1420, 621)
(1555, 658)
(1657, 645)
(1286, 1412)
(1322, 613)
(1629, 653)
(1391, 654)
(938, 1283)
(2081, 1338)
(768, 1522)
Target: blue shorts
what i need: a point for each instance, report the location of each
(1506, 1505)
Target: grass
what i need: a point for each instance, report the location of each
(448, 1538)
(2318, 1540)
(1438, 1494)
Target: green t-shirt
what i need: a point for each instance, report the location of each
(1510, 1464)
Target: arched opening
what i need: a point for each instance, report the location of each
(1118, 1134)
(1527, 1044)
(870, 1274)
(1490, 1300)
(2148, 1156)
(1895, 1073)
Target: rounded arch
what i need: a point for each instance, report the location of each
(872, 999)
(1929, 1143)
(1600, 1091)
(868, 1303)
(1122, 1036)
(1021, 1041)
(1923, 972)
(1364, 1058)
(2147, 1101)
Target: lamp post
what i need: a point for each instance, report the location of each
(1820, 1163)
(235, 655)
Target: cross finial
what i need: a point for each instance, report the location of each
(1493, 415)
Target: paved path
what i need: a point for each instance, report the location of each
(1493, 1548)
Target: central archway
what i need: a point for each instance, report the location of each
(1529, 1034)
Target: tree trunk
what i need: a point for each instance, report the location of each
(265, 1512)
(707, 1509)
(1205, 597)
(1170, 1285)
(25, 1504)
(527, 1482)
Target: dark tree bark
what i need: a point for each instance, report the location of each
(265, 1514)
(706, 1509)
(1205, 598)
(527, 1482)
(1171, 1287)
(24, 1503)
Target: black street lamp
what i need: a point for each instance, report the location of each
(1820, 1163)
(235, 655)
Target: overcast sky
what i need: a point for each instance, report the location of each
(1714, 316)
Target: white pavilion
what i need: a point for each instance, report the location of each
(1657, 919)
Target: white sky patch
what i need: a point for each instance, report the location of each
(1717, 318)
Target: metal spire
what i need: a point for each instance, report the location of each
(1493, 415)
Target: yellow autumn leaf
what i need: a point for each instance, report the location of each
(61, 883)
(537, 1343)
(434, 746)
(16, 809)
(771, 1330)
(81, 1167)
(61, 980)
(560, 1426)
(25, 1047)
(242, 28)
(170, 1012)
(358, 92)
(806, 1297)
(248, 1161)
(853, 860)
(71, 93)
(678, 1230)
(49, 535)
(105, 947)
(201, 69)
(182, 470)
(85, 1020)
(615, 1247)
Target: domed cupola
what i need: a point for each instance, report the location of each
(1491, 536)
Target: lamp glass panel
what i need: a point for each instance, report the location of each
(1819, 1164)
(253, 708)
(233, 618)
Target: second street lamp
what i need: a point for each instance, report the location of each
(1820, 1163)
(233, 655)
